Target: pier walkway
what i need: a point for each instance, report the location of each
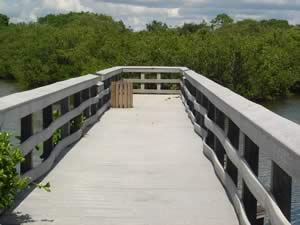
(139, 166)
(190, 152)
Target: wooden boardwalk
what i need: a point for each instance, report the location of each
(142, 166)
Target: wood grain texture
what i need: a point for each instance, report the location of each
(122, 94)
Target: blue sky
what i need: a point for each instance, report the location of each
(137, 13)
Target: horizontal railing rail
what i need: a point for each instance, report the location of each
(66, 108)
(159, 85)
(234, 131)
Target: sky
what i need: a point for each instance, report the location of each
(137, 13)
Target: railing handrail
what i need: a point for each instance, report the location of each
(108, 73)
(27, 102)
(269, 132)
(237, 129)
(273, 133)
(90, 101)
(278, 135)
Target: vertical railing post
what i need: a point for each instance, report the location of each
(211, 137)
(226, 125)
(93, 91)
(107, 84)
(281, 188)
(77, 99)
(26, 132)
(98, 90)
(251, 154)
(85, 95)
(158, 86)
(77, 103)
(64, 108)
(47, 120)
(232, 135)
(219, 149)
(142, 84)
(241, 148)
(198, 114)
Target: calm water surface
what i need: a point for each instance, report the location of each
(7, 87)
(289, 108)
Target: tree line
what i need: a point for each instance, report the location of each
(257, 59)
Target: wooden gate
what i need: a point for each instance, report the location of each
(121, 94)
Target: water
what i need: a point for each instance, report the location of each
(7, 87)
(288, 108)
(10, 87)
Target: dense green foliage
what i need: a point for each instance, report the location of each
(10, 180)
(258, 59)
(4, 20)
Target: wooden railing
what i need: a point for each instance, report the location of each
(235, 131)
(162, 83)
(50, 118)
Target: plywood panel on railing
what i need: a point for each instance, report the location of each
(122, 92)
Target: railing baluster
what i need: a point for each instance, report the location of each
(281, 188)
(251, 154)
(142, 84)
(77, 99)
(264, 136)
(47, 120)
(64, 108)
(63, 97)
(232, 135)
(235, 139)
(219, 149)
(26, 132)
(93, 91)
(158, 85)
(85, 95)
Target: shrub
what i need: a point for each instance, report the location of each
(10, 181)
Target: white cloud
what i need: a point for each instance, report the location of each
(247, 16)
(64, 5)
(173, 12)
(136, 13)
(271, 2)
